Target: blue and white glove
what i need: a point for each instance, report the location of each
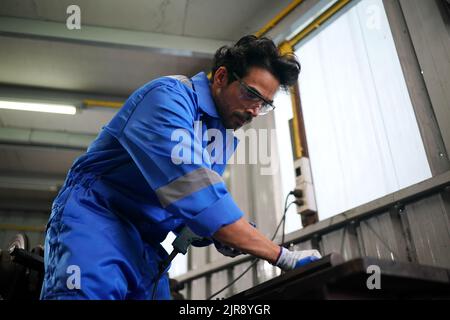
(289, 260)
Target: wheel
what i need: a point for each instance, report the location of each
(20, 241)
(13, 276)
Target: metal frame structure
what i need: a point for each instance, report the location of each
(388, 228)
(410, 225)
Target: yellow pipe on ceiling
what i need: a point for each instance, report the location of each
(288, 47)
(15, 227)
(101, 103)
(275, 20)
(280, 16)
(330, 12)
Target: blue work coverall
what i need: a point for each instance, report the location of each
(130, 189)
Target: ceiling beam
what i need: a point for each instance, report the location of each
(29, 205)
(101, 36)
(35, 94)
(31, 182)
(45, 138)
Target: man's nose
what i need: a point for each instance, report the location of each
(254, 108)
(253, 111)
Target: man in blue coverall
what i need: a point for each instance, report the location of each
(130, 189)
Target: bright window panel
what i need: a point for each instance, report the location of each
(363, 137)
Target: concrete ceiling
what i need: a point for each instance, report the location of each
(212, 19)
(122, 45)
(86, 68)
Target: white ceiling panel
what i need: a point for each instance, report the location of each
(215, 19)
(88, 121)
(161, 16)
(229, 19)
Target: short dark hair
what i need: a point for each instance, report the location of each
(251, 51)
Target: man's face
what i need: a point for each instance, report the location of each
(235, 105)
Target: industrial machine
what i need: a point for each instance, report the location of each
(21, 270)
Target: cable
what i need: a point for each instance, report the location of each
(181, 244)
(284, 217)
(156, 284)
(297, 193)
(235, 280)
(163, 267)
(286, 207)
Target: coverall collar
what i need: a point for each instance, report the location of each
(205, 99)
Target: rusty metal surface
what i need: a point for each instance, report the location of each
(382, 239)
(331, 278)
(430, 230)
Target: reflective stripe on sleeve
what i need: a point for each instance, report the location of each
(187, 185)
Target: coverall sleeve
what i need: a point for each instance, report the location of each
(160, 137)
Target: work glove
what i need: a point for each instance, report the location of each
(289, 260)
(227, 250)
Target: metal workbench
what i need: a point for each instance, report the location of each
(331, 278)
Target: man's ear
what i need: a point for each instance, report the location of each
(221, 77)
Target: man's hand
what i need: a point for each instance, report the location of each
(289, 260)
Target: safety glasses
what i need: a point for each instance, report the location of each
(251, 94)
